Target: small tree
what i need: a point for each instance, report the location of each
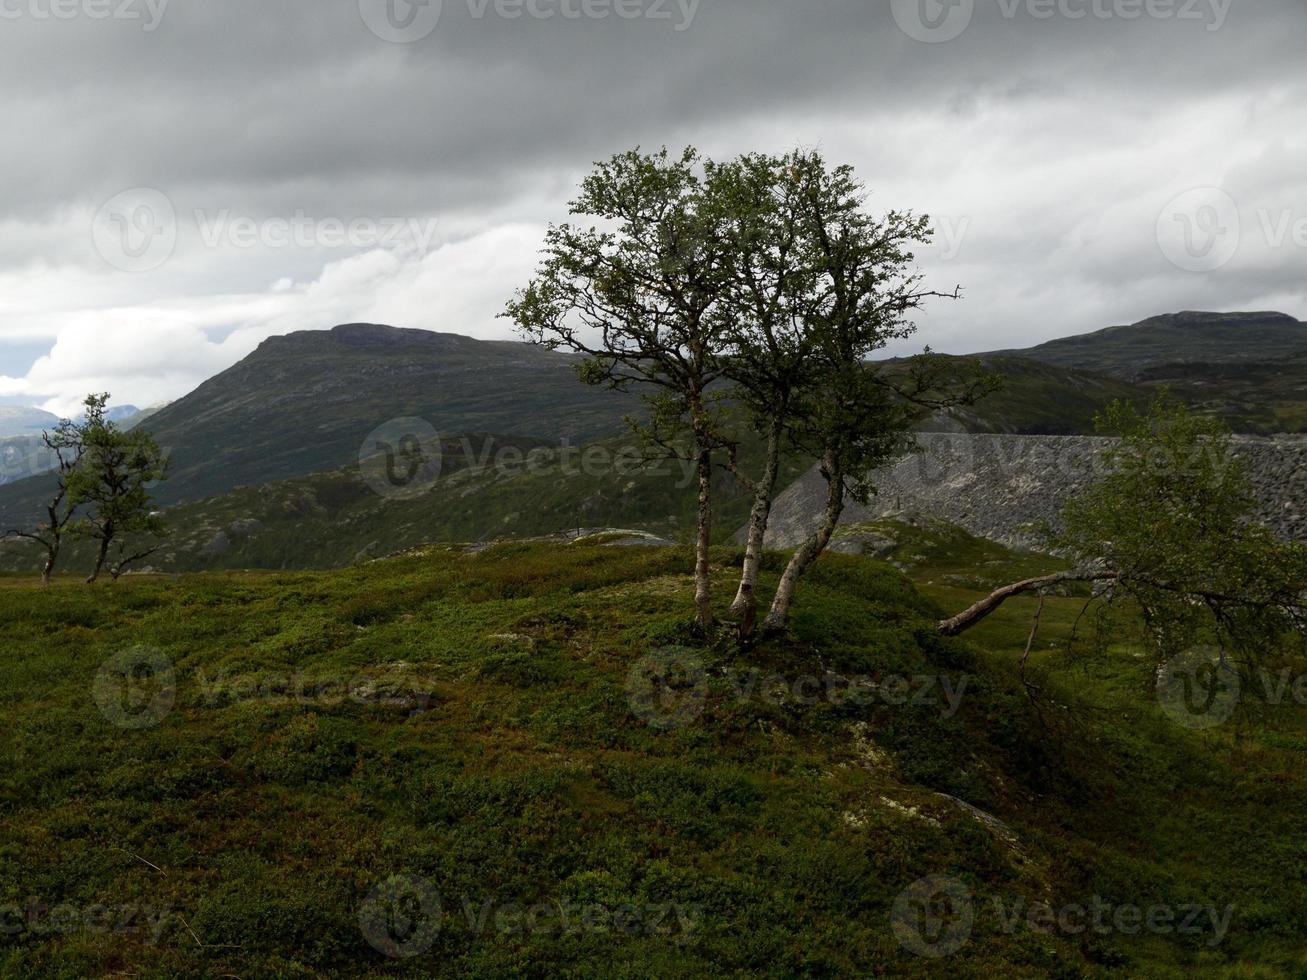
(65, 443)
(1170, 528)
(854, 295)
(773, 289)
(113, 482)
(640, 297)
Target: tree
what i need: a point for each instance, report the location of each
(65, 443)
(854, 294)
(641, 298)
(1170, 528)
(772, 289)
(113, 480)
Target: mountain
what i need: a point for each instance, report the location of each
(1039, 399)
(305, 402)
(1128, 352)
(299, 408)
(1251, 396)
(122, 414)
(23, 421)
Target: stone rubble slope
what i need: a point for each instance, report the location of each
(1003, 487)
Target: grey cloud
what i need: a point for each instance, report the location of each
(267, 108)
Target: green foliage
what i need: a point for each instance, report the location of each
(112, 485)
(1171, 519)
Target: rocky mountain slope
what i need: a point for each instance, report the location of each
(1002, 487)
(1258, 396)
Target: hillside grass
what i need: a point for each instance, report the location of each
(492, 749)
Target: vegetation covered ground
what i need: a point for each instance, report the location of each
(482, 736)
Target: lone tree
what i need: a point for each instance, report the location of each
(66, 444)
(113, 482)
(1170, 528)
(638, 290)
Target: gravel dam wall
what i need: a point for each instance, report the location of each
(1002, 487)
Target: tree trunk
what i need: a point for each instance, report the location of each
(968, 618)
(745, 606)
(811, 550)
(48, 569)
(703, 615)
(99, 561)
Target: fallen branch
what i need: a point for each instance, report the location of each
(968, 618)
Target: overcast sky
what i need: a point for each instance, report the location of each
(180, 180)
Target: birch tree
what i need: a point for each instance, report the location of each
(1170, 530)
(853, 297)
(772, 292)
(636, 287)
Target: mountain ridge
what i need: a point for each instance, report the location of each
(1124, 351)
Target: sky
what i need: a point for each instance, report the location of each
(181, 180)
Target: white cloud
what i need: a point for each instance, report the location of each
(160, 351)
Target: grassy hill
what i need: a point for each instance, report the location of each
(1044, 399)
(489, 488)
(1216, 338)
(480, 723)
(1259, 397)
(305, 402)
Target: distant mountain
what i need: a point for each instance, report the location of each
(122, 413)
(305, 402)
(139, 415)
(22, 421)
(1129, 352)
(302, 404)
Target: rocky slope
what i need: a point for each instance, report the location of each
(1001, 487)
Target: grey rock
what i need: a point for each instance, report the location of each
(220, 544)
(245, 528)
(1005, 487)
